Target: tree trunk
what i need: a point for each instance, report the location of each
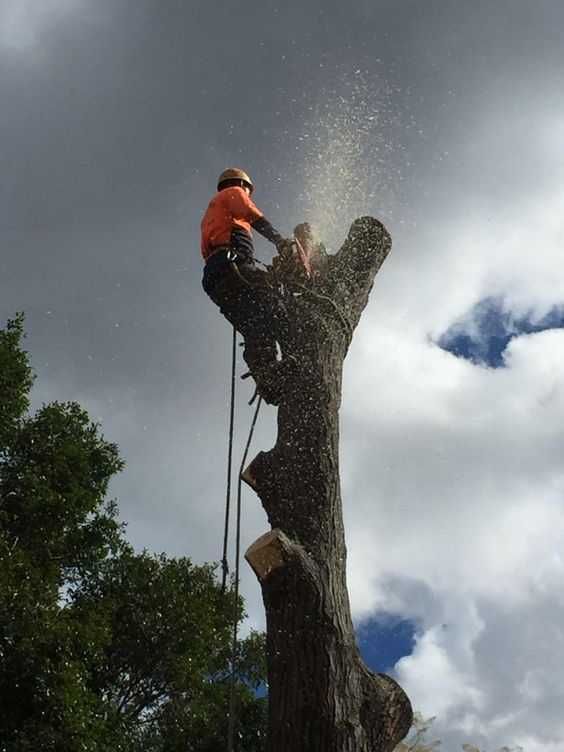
(322, 698)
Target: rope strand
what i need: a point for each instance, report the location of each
(231, 727)
(224, 564)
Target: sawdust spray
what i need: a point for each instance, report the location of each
(351, 159)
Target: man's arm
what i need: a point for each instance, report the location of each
(263, 226)
(242, 205)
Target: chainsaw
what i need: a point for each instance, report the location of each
(299, 260)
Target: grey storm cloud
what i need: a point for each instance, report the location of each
(117, 117)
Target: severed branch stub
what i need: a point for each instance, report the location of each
(274, 550)
(322, 697)
(266, 554)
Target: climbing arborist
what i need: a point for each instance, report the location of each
(233, 281)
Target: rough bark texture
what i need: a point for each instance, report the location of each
(322, 696)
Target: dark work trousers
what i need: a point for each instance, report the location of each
(249, 304)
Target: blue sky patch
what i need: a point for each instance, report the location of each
(482, 336)
(384, 640)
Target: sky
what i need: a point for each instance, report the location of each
(443, 119)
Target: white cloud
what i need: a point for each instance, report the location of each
(453, 482)
(23, 22)
(458, 485)
(452, 473)
(432, 675)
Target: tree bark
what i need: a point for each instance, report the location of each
(322, 698)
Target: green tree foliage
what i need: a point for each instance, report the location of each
(16, 379)
(101, 648)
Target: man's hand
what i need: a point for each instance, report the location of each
(285, 247)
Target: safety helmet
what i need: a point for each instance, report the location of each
(234, 173)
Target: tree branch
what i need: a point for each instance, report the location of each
(352, 270)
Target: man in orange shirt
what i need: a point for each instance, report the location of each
(233, 281)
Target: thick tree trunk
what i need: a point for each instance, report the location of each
(322, 697)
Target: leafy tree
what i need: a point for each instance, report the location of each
(165, 669)
(16, 380)
(101, 648)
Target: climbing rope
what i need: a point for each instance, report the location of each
(231, 727)
(224, 564)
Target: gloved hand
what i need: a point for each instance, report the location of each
(285, 247)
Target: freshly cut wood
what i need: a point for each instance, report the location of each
(266, 554)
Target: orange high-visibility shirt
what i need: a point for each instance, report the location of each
(229, 209)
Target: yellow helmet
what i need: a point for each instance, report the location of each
(234, 173)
